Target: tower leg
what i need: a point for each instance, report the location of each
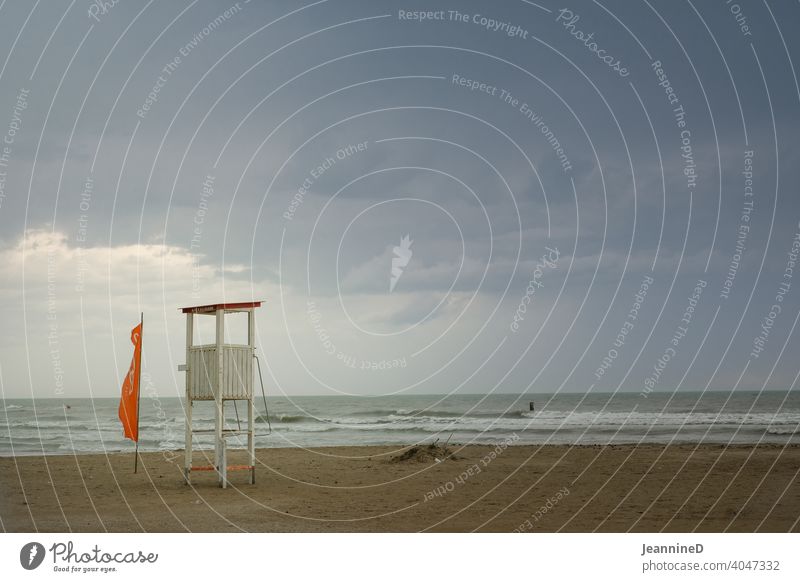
(223, 464)
(187, 450)
(251, 441)
(187, 458)
(251, 342)
(219, 449)
(219, 419)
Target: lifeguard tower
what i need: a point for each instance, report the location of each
(220, 372)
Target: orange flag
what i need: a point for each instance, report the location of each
(129, 403)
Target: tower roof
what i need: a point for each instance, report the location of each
(212, 308)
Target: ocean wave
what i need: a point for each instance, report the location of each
(664, 418)
(22, 439)
(93, 426)
(784, 431)
(411, 412)
(449, 414)
(608, 422)
(41, 424)
(286, 418)
(307, 428)
(520, 420)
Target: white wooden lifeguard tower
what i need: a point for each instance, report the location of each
(220, 372)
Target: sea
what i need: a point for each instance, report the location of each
(83, 425)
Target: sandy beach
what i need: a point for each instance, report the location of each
(620, 488)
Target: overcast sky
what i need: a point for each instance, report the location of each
(547, 163)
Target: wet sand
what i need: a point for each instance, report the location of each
(619, 488)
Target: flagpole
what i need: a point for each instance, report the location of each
(139, 392)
